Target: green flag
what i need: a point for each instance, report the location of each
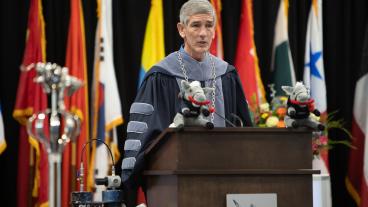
(282, 63)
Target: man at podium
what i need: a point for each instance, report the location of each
(157, 100)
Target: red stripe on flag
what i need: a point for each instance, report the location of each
(78, 102)
(355, 171)
(246, 60)
(217, 46)
(141, 198)
(358, 161)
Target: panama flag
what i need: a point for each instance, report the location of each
(153, 45)
(357, 179)
(314, 76)
(2, 134)
(106, 112)
(217, 45)
(314, 79)
(282, 63)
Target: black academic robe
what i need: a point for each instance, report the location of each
(159, 93)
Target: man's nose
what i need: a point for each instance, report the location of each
(203, 31)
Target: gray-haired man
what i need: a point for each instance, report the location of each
(157, 103)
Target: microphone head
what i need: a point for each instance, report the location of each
(237, 120)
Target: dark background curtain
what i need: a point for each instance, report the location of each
(343, 26)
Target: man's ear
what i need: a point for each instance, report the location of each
(180, 27)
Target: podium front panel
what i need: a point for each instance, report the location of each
(233, 148)
(198, 167)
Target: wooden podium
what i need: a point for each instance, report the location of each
(197, 167)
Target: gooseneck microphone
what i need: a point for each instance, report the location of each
(229, 122)
(238, 119)
(111, 197)
(81, 169)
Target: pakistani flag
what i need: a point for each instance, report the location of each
(282, 63)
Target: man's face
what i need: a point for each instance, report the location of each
(197, 34)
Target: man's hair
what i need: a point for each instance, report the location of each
(193, 7)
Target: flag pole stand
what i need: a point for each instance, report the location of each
(61, 126)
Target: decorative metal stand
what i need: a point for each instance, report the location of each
(61, 125)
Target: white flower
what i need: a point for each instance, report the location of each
(314, 117)
(272, 121)
(265, 107)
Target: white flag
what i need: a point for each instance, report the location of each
(314, 78)
(106, 110)
(314, 75)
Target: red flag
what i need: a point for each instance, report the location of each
(78, 102)
(216, 46)
(141, 197)
(357, 179)
(31, 99)
(246, 60)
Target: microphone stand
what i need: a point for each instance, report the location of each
(229, 122)
(112, 197)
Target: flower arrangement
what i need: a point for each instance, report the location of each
(321, 141)
(271, 115)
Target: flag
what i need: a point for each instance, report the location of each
(153, 45)
(357, 177)
(32, 158)
(246, 60)
(314, 76)
(106, 112)
(2, 134)
(216, 46)
(78, 102)
(314, 79)
(282, 63)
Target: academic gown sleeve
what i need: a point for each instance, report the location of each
(152, 111)
(234, 98)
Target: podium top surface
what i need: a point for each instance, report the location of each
(238, 129)
(247, 130)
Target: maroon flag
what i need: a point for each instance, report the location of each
(32, 161)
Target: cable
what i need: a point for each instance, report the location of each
(81, 174)
(100, 140)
